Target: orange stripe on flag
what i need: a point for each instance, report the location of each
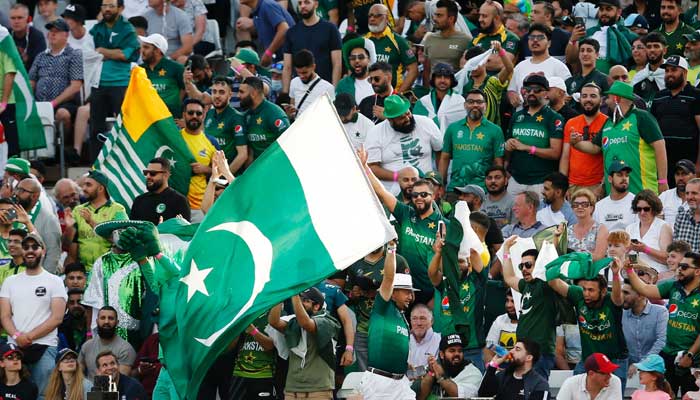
(142, 106)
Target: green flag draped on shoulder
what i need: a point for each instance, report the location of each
(276, 230)
(576, 266)
(29, 127)
(145, 129)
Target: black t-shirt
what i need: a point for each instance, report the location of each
(367, 104)
(516, 392)
(557, 49)
(320, 39)
(493, 235)
(168, 204)
(24, 390)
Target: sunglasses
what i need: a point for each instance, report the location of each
(685, 266)
(640, 209)
(422, 195)
(151, 173)
(534, 89)
(582, 204)
(359, 57)
(523, 265)
(197, 113)
(13, 356)
(34, 247)
(619, 77)
(537, 38)
(374, 79)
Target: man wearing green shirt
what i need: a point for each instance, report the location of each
(538, 312)
(492, 28)
(632, 135)
(599, 318)
(226, 125)
(165, 74)
(255, 364)
(673, 29)
(683, 330)
(264, 120)
(472, 144)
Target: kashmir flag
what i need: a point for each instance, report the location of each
(29, 127)
(301, 212)
(144, 130)
(577, 265)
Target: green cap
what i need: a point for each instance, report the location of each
(621, 89)
(362, 43)
(434, 176)
(18, 165)
(99, 177)
(248, 56)
(395, 106)
(618, 166)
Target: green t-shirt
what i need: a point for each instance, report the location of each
(7, 66)
(264, 125)
(120, 36)
(472, 152)
(253, 361)
(472, 295)
(416, 238)
(90, 245)
(324, 6)
(691, 17)
(600, 328)
(534, 130)
(7, 267)
(388, 337)
(166, 78)
(575, 83)
(683, 322)
(493, 88)
(538, 314)
(675, 42)
(228, 128)
(396, 51)
(509, 40)
(630, 140)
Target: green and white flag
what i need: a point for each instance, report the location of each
(29, 127)
(144, 130)
(301, 212)
(576, 266)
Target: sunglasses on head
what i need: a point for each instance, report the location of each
(523, 265)
(34, 247)
(685, 266)
(640, 209)
(534, 89)
(423, 195)
(197, 113)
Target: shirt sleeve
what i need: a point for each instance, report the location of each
(401, 211)
(648, 127)
(179, 71)
(184, 26)
(5, 289)
(660, 327)
(574, 294)
(498, 142)
(447, 140)
(556, 126)
(435, 136)
(492, 336)
(76, 66)
(58, 289)
(272, 15)
(664, 288)
(567, 131)
(407, 55)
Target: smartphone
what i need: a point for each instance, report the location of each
(633, 258)
(579, 21)
(11, 214)
(635, 241)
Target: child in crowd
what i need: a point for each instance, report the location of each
(651, 375)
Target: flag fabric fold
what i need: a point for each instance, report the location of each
(577, 265)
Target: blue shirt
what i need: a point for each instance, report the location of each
(645, 334)
(333, 295)
(266, 16)
(518, 230)
(321, 39)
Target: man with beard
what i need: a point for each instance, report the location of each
(498, 204)
(447, 44)
(492, 86)
(264, 120)
(683, 294)
(677, 110)
(644, 325)
(66, 194)
(392, 49)
(226, 124)
(32, 304)
(538, 311)
(165, 74)
(687, 225)
(519, 379)
(559, 99)
(318, 36)
(451, 375)
(372, 106)
(674, 199)
(86, 247)
(115, 38)
(202, 150)
(611, 33)
(307, 86)
(584, 170)
(72, 332)
(692, 54)
(358, 54)
(673, 28)
(502, 331)
(160, 202)
(615, 210)
(651, 79)
(311, 375)
(599, 315)
(533, 140)
(408, 176)
(632, 135)
(491, 29)
(356, 125)
(441, 104)
(106, 340)
(557, 209)
(401, 140)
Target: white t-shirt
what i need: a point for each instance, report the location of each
(615, 214)
(394, 150)
(549, 217)
(550, 67)
(574, 388)
(502, 332)
(357, 131)
(30, 299)
(362, 89)
(652, 239)
(671, 203)
(297, 90)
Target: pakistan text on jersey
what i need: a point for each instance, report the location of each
(401, 330)
(586, 326)
(682, 325)
(528, 132)
(418, 237)
(252, 346)
(255, 137)
(472, 147)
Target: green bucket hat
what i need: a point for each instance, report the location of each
(99, 177)
(395, 106)
(621, 89)
(362, 43)
(248, 56)
(105, 229)
(18, 165)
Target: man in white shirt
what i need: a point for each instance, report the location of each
(356, 125)
(502, 331)
(307, 86)
(423, 340)
(597, 383)
(402, 139)
(615, 210)
(674, 198)
(556, 209)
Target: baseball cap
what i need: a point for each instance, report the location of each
(313, 294)
(247, 56)
(685, 164)
(64, 353)
(35, 237)
(535, 79)
(434, 176)
(675, 61)
(76, 12)
(9, 348)
(450, 340)
(59, 24)
(617, 166)
(157, 40)
(472, 189)
(636, 21)
(557, 82)
(442, 69)
(599, 362)
(652, 363)
(614, 3)
(18, 165)
(344, 102)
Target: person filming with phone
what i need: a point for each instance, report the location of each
(450, 374)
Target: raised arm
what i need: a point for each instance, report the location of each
(387, 286)
(384, 195)
(644, 289)
(274, 318)
(616, 296)
(508, 273)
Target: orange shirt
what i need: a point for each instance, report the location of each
(584, 169)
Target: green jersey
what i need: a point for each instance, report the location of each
(534, 130)
(396, 51)
(7, 267)
(509, 40)
(122, 36)
(324, 6)
(472, 152)
(683, 322)
(600, 328)
(263, 125)
(675, 42)
(575, 83)
(538, 313)
(253, 361)
(472, 296)
(630, 140)
(90, 245)
(416, 238)
(691, 17)
(388, 337)
(166, 78)
(227, 127)
(493, 89)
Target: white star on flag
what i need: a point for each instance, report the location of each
(527, 296)
(195, 280)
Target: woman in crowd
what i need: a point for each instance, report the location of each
(650, 235)
(586, 235)
(67, 381)
(14, 376)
